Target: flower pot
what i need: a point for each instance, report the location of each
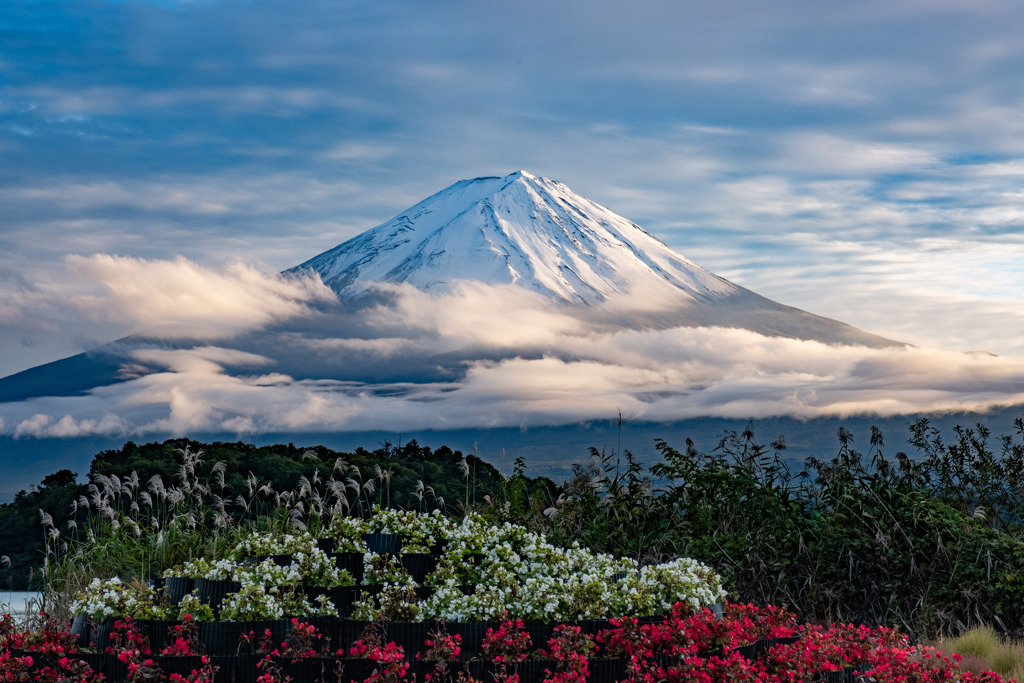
(326, 544)
(312, 669)
(112, 668)
(472, 634)
(177, 587)
(606, 670)
(591, 627)
(156, 631)
(410, 635)
(222, 638)
(81, 630)
(751, 650)
(213, 591)
(439, 547)
(350, 562)
(419, 565)
(352, 669)
(240, 669)
(384, 544)
(534, 670)
(183, 666)
(101, 634)
(540, 632)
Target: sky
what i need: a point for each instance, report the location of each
(162, 160)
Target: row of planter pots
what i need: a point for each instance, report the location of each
(225, 638)
(418, 565)
(246, 669)
(213, 592)
(381, 544)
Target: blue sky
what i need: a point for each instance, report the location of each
(863, 161)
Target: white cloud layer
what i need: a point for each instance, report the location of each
(537, 366)
(118, 295)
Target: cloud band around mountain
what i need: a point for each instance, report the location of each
(488, 356)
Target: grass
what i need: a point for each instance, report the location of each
(983, 649)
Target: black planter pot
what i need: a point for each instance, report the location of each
(352, 563)
(606, 670)
(177, 587)
(329, 628)
(350, 631)
(213, 591)
(91, 660)
(535, 670)
(411, 636)
(313, 669)
(439, 547)
(472, 634)
(111, 667)
(750, 652)
(280, 560)
(540, 632)
(223, 638)
(384, 544)
(157, 632)
(772, 642)
(100, 634)
(240, 669)
(179, 665)
(591, 627)
(326, 544)
(81, 630)
(353, 669)
(419, 565)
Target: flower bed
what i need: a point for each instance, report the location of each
(687, 645)
(484, 573)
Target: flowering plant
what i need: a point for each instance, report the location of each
(393, 603)
(390, 657)
(386, 568)
(191, 608)
(255, 601)
(304, 641)
(184, 639)
(510, 643)
(106, 598)
(201, 568)
(570, 647)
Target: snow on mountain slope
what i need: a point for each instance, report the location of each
(538, 234)
(522, 230)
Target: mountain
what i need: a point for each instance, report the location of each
(497, 306)
(537, 234)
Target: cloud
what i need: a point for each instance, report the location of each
(551, 366)
(179, 298)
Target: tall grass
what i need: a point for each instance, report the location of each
(133, 529)
(983, 649)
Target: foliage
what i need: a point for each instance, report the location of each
(932, 543)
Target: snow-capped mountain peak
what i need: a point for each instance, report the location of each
(519, 229)
(527, 231)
